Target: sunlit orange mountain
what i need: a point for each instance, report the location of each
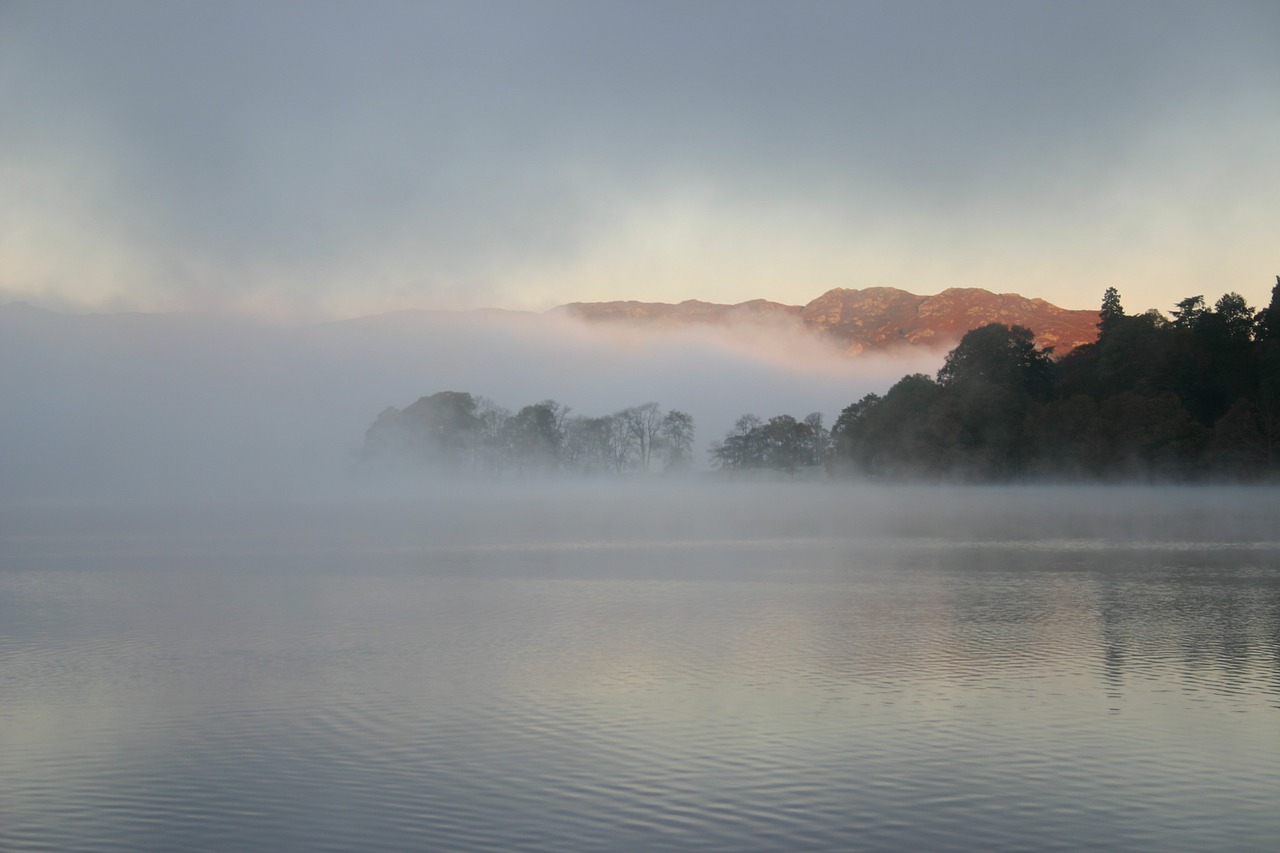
(874, 318)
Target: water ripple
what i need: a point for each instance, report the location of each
(816, 693)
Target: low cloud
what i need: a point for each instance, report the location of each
(135, 406)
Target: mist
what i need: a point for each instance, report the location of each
(230, 621)
(213, 407)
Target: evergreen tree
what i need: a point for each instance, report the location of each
(1112, 311)
(1187, 313)
(1267, 321)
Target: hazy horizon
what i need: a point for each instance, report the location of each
(257, 170)
(126, 406)
(59, 307)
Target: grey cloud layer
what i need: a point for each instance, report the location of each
(436, 147)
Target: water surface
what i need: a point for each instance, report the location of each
(764, 668)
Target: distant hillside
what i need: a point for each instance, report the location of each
(875, 318)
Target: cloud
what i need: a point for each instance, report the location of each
(341, 159)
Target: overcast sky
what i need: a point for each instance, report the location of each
(347, 158)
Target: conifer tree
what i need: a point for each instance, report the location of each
(1111, 311)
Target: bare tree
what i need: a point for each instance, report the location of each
(586, 447)
(489, 449)
(621, 441)
(676, 436)
(643, 422)
(820, 439)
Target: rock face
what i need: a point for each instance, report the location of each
(874, 318)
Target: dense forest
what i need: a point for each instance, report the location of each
(453, 432)
(1192, 396)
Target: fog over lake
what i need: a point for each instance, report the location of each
(760, 667)
(282, 571)
(216, 635)
(206, 407)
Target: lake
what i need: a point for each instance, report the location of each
(646, 666)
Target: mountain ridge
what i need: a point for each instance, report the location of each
(873, 318)
(856, 320)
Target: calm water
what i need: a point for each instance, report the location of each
(770, 668)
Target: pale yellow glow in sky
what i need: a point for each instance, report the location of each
(432, 156)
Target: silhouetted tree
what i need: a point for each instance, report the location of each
(585, 448)
(1198, 396)
(894, 435)
(643, 422)
(490, 454)
(780, 444)
(742, 446)
(440, 431)
(1234, 318)
(1188, 312)
(676, 436)
(621, 442)
(1150, 398)
(786, 443)
(533, 438)
(819, 439)
(1267, 321)
(1111, 311)
(1000, 355)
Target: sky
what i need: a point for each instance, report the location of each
(340, 159)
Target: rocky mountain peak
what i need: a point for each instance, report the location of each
(871, 318)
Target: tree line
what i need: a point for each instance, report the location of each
(1195, 395)
(454, 432)
(781, 443)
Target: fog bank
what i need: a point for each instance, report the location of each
(141, 406)
(600, 528)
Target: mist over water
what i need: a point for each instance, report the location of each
(213, 636)
(130, 406)
(646, 665)
(225, 628)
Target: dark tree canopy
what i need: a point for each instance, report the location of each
(781, 444)
(1187, 313)
(1197, 396)
(440, 430)
(1000, 355)
(1268, 319)
(1112, 311)
(1194, 396)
